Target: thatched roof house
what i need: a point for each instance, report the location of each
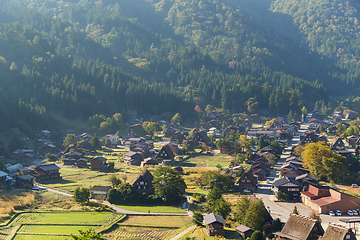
(300, 228)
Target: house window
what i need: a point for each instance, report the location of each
(348, 236)
(165, 155)
(141, 183)
(243, 180)
(328, 207)
(247, 180)
(138, 187)
(293, 189)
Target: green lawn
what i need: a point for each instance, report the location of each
(39, 237)
(152, 208)
(53, 229)
(207, 161)
(74, 177)
(67, 218)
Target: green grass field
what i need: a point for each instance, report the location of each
(39, 237)
(74, 177)
(207, 161)
(152, 208)
(67, 218)
(52, 229)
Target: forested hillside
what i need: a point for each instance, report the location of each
(100, 57)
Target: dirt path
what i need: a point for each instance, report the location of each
(183, 233)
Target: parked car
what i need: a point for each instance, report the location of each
(247, 191)
(268, 181)
(331, 213)
(338, 213)
(355, 212)
(354, 185)
(350, 213)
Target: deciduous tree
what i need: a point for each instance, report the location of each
(81, 195)
(168, 184)
(70, 139)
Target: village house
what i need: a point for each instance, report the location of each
(259, 174)
(165, 154)
(12, 169)
(148, 162)
(136, 130)
(214, 224)
(46, 172)
(133, 158)
(84, 146)
(201, 136)
(113, 140)
(100, 192)
(300, 228)
(244, 231)
(85, 137)
(309, 137)
(171, 130)
(322, 199)
(345, 153)
(5, 179)
(337, 143)
(338, 232)
(255, 118)
(178, 137)
(306, 179)
(214, 131)
(289, 186)
(352, 140)
(98, 164)
(143, 183)
(82, 163)
(213, 124)
(24, 181)
(247, 181)
(47, 148)
(332, 130)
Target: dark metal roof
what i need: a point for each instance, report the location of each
(100, 188)
(243, 228)
(350, 220)
(285, 180)
(49, 167)
(306, 175)
(213, 217)
(101, 159)
(26, 177)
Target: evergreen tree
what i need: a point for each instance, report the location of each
(95, 142)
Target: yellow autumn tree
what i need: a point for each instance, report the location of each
(322, 162)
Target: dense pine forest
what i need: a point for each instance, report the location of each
(73, 59)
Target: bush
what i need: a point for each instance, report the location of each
(198, 218)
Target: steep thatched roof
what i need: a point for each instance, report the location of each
(299, 227)
(148, 177)
(336, 232)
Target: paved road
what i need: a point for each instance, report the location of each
(117, 209)
(279, 209)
